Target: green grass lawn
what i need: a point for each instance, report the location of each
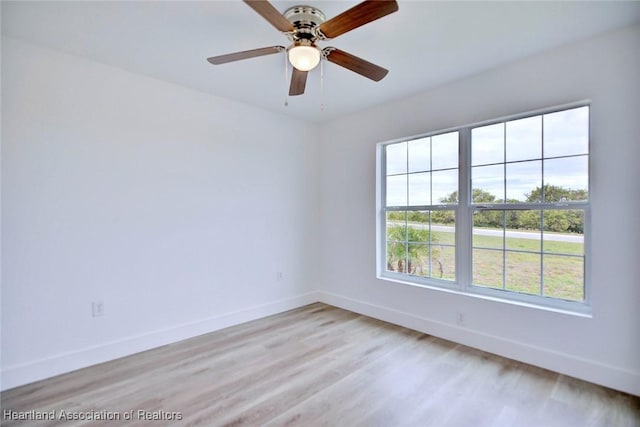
(522, 263)
(525, 244)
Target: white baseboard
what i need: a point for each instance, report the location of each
(584, 369)
(588, 370)
(17, 375)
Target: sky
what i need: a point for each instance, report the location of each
(508, 159)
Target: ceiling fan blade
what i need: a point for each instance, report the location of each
(363, 13)
(355, 64)
(230, 57)
(298, 82)
(271, 14)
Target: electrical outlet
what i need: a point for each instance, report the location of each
(97, 308)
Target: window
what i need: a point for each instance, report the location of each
(421, 176)
(517, 230)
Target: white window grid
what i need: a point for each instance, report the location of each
(464, 211)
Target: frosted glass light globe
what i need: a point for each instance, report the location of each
(304, 58)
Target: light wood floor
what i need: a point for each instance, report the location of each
(322, 366)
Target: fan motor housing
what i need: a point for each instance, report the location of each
(304, 20)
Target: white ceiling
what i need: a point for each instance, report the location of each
(424, 44)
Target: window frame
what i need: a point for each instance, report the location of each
(464, 209)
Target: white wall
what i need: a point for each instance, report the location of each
(605, 348)
(173, 207)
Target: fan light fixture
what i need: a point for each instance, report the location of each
(303, 26)
(304, 57)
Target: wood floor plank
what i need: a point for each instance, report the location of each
(320, 366)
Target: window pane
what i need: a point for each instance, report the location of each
(418, 226)
(488, 184)
(523, 230)
(445, 187)
(443, 227)
(397, 190)
(396, 257)
(419, 155)
(564, 277)
(522, 179)
(444, 151)
(487, 268)
(488, 229)
(566, 133)
(444, 262)
(418, 260)
(443, 237)
(396, 241)
(487, 144)
(396, 226)
(396, 158)
(524, 139)
(415, 246)
(419, 189)
(563, 231)
(569, 174)
(418, 217)
(522, 272)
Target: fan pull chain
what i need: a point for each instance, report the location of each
(286, 74)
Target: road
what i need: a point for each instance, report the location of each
(572, 238)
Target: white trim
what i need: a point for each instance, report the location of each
(495, 295)
(381, 195)
(584, 369)
(24, 373)
(566, 364)
(465, 208)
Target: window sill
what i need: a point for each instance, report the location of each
(569, 308)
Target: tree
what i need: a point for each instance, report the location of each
(443, 217)
(404, 257)
(482, 219)
(418, 216)
(554, 193)
(396, 216)
(486, 218)
(557, 221)
(451, 198)
(481, 196)
(560, 221)
(528, 220)
(448, 216)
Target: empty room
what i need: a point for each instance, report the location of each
(327, 213)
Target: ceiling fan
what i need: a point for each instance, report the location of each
(304, 26)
